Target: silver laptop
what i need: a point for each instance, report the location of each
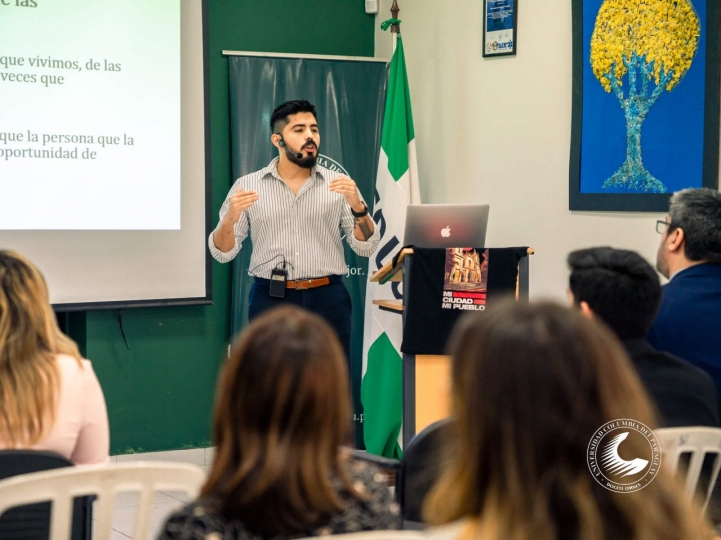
(446, 225)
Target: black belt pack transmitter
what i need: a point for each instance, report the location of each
(278, 279)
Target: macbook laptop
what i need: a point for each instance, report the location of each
(446, 225)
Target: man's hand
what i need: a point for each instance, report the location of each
(363, 228)
(224, 237)
(346, 187)
(240, 201)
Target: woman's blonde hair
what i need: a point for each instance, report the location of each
(532, 383)
(283, 410)
(29, 342)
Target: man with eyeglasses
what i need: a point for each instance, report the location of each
(688, 324)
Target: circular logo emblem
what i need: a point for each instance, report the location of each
(610, 460)
(331, 164)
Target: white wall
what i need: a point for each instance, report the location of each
(498, 131)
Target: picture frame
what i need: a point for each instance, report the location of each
(622, 162)
(500, 22)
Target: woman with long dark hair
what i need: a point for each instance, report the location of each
(282, 414)
(532, 385)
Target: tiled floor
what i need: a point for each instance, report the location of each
(164, 503)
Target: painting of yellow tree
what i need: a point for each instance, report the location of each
(639, 50)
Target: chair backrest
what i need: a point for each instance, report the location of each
(422, 465)
(15, 462)
(105, 481)
(32, 522)
(698, 442)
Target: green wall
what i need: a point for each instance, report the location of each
(160, 392)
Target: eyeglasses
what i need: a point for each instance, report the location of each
(663, 225)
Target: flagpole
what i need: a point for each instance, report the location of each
(396, 188)
(395, 28)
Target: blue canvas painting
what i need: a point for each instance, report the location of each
(645, 118)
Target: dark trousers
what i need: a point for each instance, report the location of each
(331, 302)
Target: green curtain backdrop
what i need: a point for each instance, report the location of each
(349, 96)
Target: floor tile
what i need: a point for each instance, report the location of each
(114, 535)
(161, 512)
(195, 456)
(179, 495)
(124, 519)
(131, 498)
(153, 533)
(124, 516)
(209, 455)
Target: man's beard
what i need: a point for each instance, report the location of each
(305, 162)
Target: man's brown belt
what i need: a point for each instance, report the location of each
(302, 284)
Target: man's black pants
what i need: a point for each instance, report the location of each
(331, 302)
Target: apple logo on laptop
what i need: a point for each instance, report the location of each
(446, 232)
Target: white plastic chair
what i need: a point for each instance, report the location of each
(697, 441)
(61, 486)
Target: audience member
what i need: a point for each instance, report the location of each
(688, 323)
(532, 386)
(50, 398)
(283, 410)
(623, 290)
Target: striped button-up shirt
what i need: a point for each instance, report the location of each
(304, 230)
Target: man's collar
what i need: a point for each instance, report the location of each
(683, 270)
(678, 273)
(272, 170)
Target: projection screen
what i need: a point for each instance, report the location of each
(104, 155)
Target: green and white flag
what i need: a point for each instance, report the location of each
(396, 188)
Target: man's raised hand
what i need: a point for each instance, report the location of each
(347, 187)
(240, 201)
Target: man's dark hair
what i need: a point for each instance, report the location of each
(279, 118)
(619, 286)
(698, 213)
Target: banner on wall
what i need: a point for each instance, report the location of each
(349, 96)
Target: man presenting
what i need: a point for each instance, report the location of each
(688, 323)
(295, 212)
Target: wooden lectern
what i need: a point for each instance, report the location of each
(426, 378)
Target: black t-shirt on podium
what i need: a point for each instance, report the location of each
(443, 284)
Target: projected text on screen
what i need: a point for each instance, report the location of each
(90, 123)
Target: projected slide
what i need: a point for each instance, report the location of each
(90, 115)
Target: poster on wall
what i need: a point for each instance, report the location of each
(499, 27)
(645, 117)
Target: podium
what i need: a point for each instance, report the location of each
(426, 386)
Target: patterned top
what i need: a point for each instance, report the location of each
(376, 512)
(304, 230)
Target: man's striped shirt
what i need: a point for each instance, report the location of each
(304, 230)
